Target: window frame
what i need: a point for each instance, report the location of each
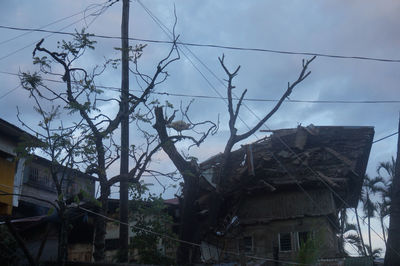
(291, 242)
(33, 174)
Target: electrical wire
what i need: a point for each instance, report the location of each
(226, 47)
(10, 91)
(50, 24)
(179, 240)
(245, 99)
(388, 136)
(216, 77)
(170, 35)
(329, 188)
(96, 14)
(283, 142)
(385, 60)
(236, 98)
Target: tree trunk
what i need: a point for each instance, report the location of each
(359, 232)
(369, 231)
(189, 223)
(392, 256)
(100, 230)
(62, 238)
(383, 229)
(189, 226)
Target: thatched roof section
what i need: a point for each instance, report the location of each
(313, 156)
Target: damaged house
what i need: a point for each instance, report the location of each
(283, 190)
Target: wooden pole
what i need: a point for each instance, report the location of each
(124, 167)
(392, 256)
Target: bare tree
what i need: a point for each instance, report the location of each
(81, 97)
(191, 172)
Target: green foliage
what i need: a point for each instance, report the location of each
(310, 250)
(375, 253)
(141, 117)
(149, 213)
(386, 171)
(76, 199)
(136, 51)
(30, 81)
(8, 248)
(371, 186)
(355, 240)
(154, 102)
(81, 41)
(169, 105)
(50, 211)
(43, 62)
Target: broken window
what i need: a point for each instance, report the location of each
(285, 242)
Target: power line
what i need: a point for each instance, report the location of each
(288, 100)
(171, 36)
(307, 194)
(226, 47)
(388, 136)
(209, 70)
(49, 24)
(179, 240)
(275, 158)
(385, 60)
(282, 141)
(96, 14)
(10, 91)
(236, 98)
(216, 77)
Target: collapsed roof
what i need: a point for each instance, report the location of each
(312, 156)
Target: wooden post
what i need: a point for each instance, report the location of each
(392, 256)
(124, 167)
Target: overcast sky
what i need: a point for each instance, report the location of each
(351, 28)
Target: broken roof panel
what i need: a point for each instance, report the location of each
(317, 156)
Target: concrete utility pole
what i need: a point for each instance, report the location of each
(124, 167)
(392, 256)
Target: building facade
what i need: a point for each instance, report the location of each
(28, 193)
(11, 168)
(283, 195)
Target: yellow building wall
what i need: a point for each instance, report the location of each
(7, 172)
